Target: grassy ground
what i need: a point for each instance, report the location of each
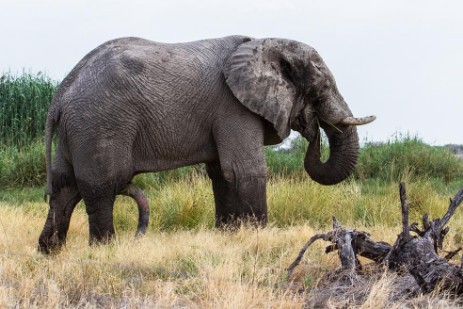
(184, 262)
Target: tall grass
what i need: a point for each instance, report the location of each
(22, 166)
(24, 102)
(189, 203)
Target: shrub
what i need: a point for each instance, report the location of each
(289, 162)
(392, 160)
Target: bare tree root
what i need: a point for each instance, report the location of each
(416, 254)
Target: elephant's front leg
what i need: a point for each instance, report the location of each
(239, 178)
(237, 202)
(62, 205)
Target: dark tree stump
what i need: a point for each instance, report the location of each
(419, 255)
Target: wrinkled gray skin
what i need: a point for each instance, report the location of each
(133, 106)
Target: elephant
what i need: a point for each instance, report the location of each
(132, 106)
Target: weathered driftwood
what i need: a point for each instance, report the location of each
(419, 255)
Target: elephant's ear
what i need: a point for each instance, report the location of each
(259, 73)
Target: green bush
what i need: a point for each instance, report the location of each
(285, 163)
(405, 156)
(290, 162)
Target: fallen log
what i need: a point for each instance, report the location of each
(416, 254)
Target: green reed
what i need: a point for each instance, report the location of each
(24, 102)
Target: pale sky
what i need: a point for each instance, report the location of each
(401, 60)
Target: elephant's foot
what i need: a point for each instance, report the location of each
(235, 221)
(101, 239)
(49, 242)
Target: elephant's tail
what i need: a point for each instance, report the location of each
(49, 129)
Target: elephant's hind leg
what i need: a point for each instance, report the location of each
(137, 194)
(99, 204)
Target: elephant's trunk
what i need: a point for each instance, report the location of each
(344, 148)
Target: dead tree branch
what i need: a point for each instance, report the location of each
(417, 254)
(403, 203)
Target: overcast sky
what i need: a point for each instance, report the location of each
(401, 60)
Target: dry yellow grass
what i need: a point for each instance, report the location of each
(201, 267)
(194, 269)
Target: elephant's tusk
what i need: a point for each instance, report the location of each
(352, 121)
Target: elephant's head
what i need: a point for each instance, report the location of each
(289, 85)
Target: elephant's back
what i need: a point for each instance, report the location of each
(134, 74)
(132, 51)
(131, 85)
(136, 62)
